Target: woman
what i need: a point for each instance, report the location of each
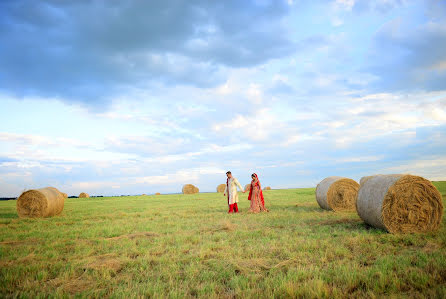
(256, 196)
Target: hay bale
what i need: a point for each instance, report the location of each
(366, 178)
(221, 188)
(267, 188)
(337, 194)
(64, 195)
(247, 187)
(84, 195)
(400, 203)
(190, 189)
(157, 193)
(44, 202)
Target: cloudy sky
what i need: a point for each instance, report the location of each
(130, 97)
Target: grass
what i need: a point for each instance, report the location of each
(187, 246)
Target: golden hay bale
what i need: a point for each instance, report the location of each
(337, 194)
(400, 203)
(247, 187)
(44, 202)
(267, 188)
(190, 189)
(157, 193)
(64, 194)
(221, 188)
(84, 195)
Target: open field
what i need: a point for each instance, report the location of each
(187, 246)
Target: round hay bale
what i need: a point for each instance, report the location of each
(157, 193)
(267, 188)
(64, 194)
(337, 194)
(221, 188)
(84, 195)
(190, 189)
(44, 202)
(366, 178)
(400, 203)
(247, 187)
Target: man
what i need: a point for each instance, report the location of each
(231, 192)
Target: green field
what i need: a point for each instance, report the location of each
(188, 246)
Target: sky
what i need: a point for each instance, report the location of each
(131, 97)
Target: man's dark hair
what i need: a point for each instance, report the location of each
(228, 172)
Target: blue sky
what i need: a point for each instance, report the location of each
(131, 97)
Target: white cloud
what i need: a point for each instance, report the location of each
(344, 4)
(182, 176)
(257, 126)
(359, 159)
(432, 169)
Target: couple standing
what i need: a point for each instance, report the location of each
(255, 194)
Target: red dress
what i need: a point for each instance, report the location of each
(256, 197)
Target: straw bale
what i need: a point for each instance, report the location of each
(84, 195)
(337, 194)
(44, 202)
(400, 203)
(221, 188)
(190, 189)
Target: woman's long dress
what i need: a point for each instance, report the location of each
(257, 205)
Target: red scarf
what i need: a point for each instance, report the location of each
(227, 188)
(257, 183)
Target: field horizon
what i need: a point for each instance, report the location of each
(180, 246)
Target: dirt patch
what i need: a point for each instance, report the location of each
(256, 265)
(431, 247)
(73, 286)
(104, 262)
(134, 236)
(30, 258)
(225, 226)
(20, 242)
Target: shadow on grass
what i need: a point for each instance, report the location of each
(348, 224)
(9, 215)
(300, 208)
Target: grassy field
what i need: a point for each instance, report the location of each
(188, 246)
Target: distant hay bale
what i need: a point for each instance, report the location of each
(221, 188)
(157, 193)
(190, 189)
(337, 194)
(84, 195)
(400, 203)
(267, 188)
(64, 194)
(44, 202)
(247, 187)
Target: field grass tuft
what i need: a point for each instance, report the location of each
(188, 246)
